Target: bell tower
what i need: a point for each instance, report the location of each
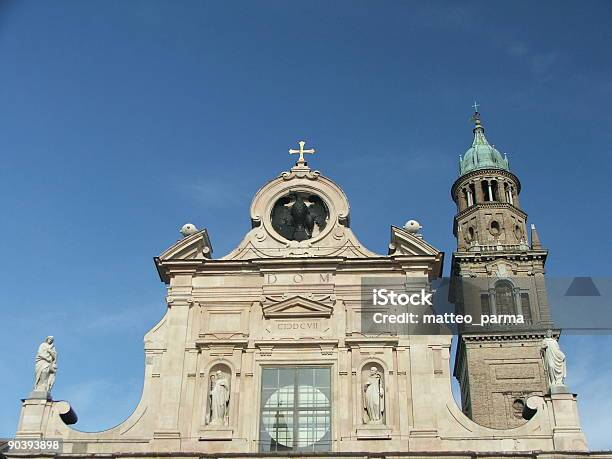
(496, 271)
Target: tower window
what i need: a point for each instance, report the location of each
(504, 298)
(485, 304)
(468, 197)
(509, 197)
(486, 190)
(517, 407)
(495, 229)
(494, 190)
(526, 307)
(471, 234)
(472, 194)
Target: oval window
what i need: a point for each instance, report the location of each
(495, 228)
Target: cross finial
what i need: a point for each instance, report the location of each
(476, 116)
(301, 152)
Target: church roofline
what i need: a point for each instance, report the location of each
(166, 268)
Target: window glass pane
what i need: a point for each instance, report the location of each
(504, 298)
(269, 378)
(296, 412)
(485, 304)
(321, 377)
(265, 396)
(286, 376)
(306, 376)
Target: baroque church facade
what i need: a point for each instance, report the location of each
(264, 352)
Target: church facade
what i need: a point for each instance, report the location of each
(264, 351)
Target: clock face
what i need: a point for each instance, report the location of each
(299, 216)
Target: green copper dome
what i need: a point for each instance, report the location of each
(481, 155)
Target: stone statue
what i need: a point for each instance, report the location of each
(219, 399)
(374, 399)
(554, 360)
(45, 366)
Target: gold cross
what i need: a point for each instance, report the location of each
(301, 152)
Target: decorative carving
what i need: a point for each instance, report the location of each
(299, 216)
(300, 172)
(301, 213)
(297, 306)
(45, 366)
(188, 229)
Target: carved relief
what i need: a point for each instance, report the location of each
(299, 216)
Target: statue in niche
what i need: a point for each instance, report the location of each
(374, 398)
(218, 399)
(554, 360)
(45, 366)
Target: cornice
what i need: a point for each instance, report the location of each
(168, 268)
(366, 341)
(490, 255)
(496, 336)
(490, 205)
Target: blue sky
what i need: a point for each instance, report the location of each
(120, 121)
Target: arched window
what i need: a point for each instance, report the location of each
(468, 197)
(504, 298)
(509, 197)
(486, 191)
(494, 190)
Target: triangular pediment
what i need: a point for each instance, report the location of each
(501, 268)
(297, 306)
(406, 243)
(194, 247)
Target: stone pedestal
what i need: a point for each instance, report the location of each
(34, 413)
(567, 434)
(559, 389)
(40, 395)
